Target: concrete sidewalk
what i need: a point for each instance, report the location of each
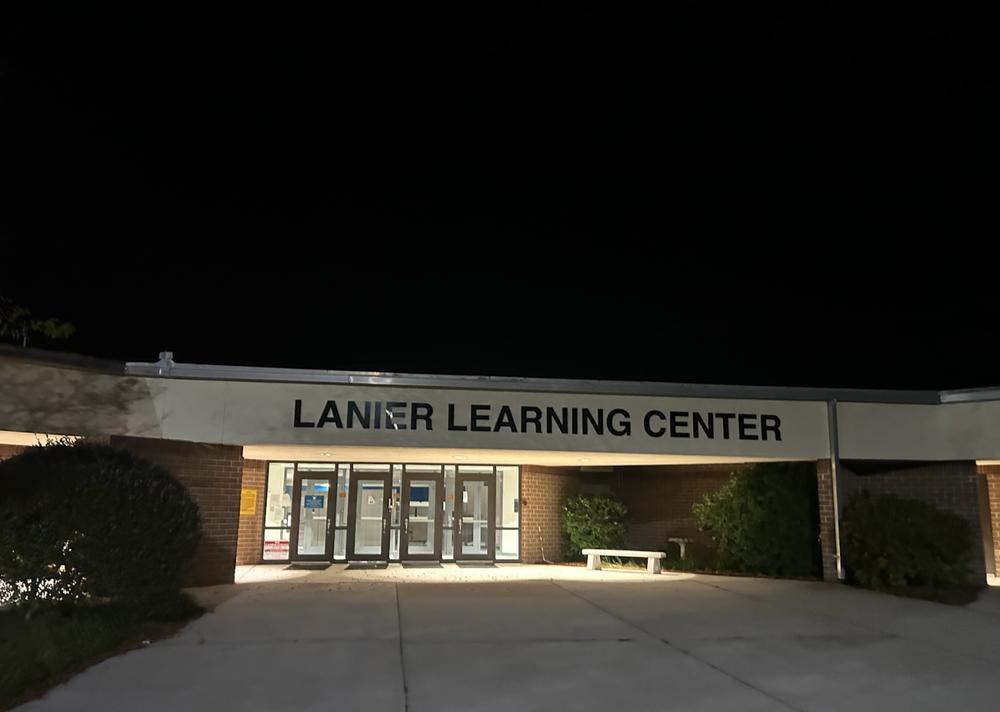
(544, 637)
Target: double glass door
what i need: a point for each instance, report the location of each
(367, 512)
(395, 512)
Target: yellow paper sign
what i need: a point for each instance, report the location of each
(248, 501)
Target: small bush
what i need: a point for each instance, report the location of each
(593, 522)
(891, 542)
(90, 521)
(765, 520)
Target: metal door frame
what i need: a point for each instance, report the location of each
(352, 513)
(404, 535)
(491, 517)
(293, 543)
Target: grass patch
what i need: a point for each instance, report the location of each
(615, 562)
(55, 644)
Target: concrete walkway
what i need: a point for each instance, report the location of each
(552, 637)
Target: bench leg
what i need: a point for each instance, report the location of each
(682, 550)
(653, 565)
(593, 562)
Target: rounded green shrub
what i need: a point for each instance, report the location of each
(89, 521)
(892, 542)
(593, 522)
(765, 520)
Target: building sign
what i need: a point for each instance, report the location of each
(312, 501)
(532, 419)
(248, 501)
(380, 414)
(403, 416)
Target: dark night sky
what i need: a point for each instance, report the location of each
(776, 193)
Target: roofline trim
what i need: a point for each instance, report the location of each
(171, 369)
(970, 395)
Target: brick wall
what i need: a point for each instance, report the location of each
(248, 544)
(543, 490)
(213, 474)
(827, 530)
(992, 475)
(659, 500)
(950, 486)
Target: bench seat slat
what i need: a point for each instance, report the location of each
(627, 553)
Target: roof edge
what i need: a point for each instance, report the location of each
(192, 371)
(971, 395)
(515, 383)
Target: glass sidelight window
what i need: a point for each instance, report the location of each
(448, 507)
(278, 511)
(340, 512)
(395, 515)
(508, 512)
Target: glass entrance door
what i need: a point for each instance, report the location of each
(311, 537)
(369, 509)
(475, 515)
(421, 535)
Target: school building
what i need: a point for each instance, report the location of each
(292, 465)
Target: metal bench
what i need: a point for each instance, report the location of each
(652, 557)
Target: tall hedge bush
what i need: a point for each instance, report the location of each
(765, 520)
(892, 542)
(89, 521)
(593, 522)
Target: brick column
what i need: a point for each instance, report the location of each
(827, 530)
(212, 474)
(251, 528)
(992, 475)
(543, 490)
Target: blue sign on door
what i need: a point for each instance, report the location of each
(312, 501)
